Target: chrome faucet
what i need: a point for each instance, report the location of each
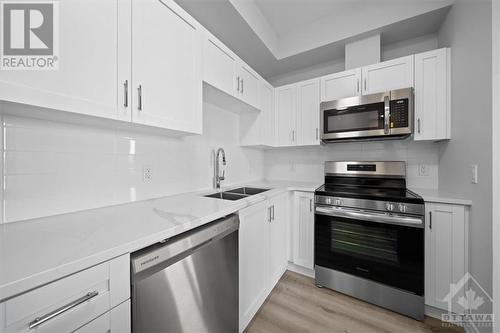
(217, 176)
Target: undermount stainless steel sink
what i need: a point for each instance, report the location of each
(248, 190)
(237, 193)
(226, 196)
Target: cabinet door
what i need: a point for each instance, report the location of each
(253, 260)
(166, 50)
(285, 115)
(117, 320)
(388, 75)
(267, 114)
(218, 65)
(432, 95)
(94, 63)
(340, 85)
(308, 112)
(249, 90)
(303, 230)
(445, 252)
(277, 237)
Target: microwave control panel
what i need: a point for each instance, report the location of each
(399, 113)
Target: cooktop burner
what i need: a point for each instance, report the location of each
(387, 194)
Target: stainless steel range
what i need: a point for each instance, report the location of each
(369, 235)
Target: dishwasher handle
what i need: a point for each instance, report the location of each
(175, 249)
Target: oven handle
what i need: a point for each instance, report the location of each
(372, 217)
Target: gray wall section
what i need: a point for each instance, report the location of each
(468, 31)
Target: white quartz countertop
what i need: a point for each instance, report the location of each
(431, 195)
(38, 251)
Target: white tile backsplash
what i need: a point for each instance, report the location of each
(307, 164)
(54, 168)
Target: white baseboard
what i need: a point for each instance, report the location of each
(300, 270)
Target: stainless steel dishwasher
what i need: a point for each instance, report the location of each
(188, 283)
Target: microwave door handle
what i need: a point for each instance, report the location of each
(387, 114)
(371, 217)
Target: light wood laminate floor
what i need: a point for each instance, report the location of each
(297, 305)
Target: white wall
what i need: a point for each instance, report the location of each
(307, 164)
(53, 168)
(467, 29)
(388, 52)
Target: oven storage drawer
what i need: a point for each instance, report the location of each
(69, 303)
(387, 253)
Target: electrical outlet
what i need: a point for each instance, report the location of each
(423, 170)
(147, 174)
(474, 170)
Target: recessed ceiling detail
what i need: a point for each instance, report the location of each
(276, 36)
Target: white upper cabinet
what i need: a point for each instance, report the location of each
(432, 95)
(388, 75)
(308, 112)
(286, 105)
(94, 63)
(166, 53)
(248, 86)
(340, 85)
(218, 65)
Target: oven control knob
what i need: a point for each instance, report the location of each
(337, 202)
(389, 206)
(402, 208)
(328, 201)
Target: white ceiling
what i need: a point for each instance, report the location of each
(280, 36)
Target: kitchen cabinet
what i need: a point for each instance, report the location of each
(94, 64)
(432, 95)
(96, 291)
(388, 75)
(219, 65)
(278, 221)
(446, 252)
(167, 81)
(257, 128)
(286, 108)
(248, 86)
(262, 253)
(253, 254)
(297, 114)
(303, 230)
(341, 85)
(117, 320)
(308, 112)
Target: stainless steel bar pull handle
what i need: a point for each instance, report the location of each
(40, 320)
(430, 220)
(125, 93)
(357, 89)
(365, 84)
(310, 205)
(272, 209)
(139, 98)
(269, 214)
(418, 125)
(293, 135)
(238, 83)
(387, 114)
(242, 82)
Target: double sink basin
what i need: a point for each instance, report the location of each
(237, 193)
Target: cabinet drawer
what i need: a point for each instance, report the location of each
(68, 303)
(115, 321)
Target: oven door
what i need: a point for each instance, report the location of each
(355, 117)
(377, 246)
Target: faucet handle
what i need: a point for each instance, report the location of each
(223, 173)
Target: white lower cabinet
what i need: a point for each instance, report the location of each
(117, 320)
(446, 252)
(262, 253)
(303, 230)
(70, 303)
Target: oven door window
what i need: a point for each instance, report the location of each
(389, 254)
(358, 118)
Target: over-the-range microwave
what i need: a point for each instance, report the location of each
(377, 116)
